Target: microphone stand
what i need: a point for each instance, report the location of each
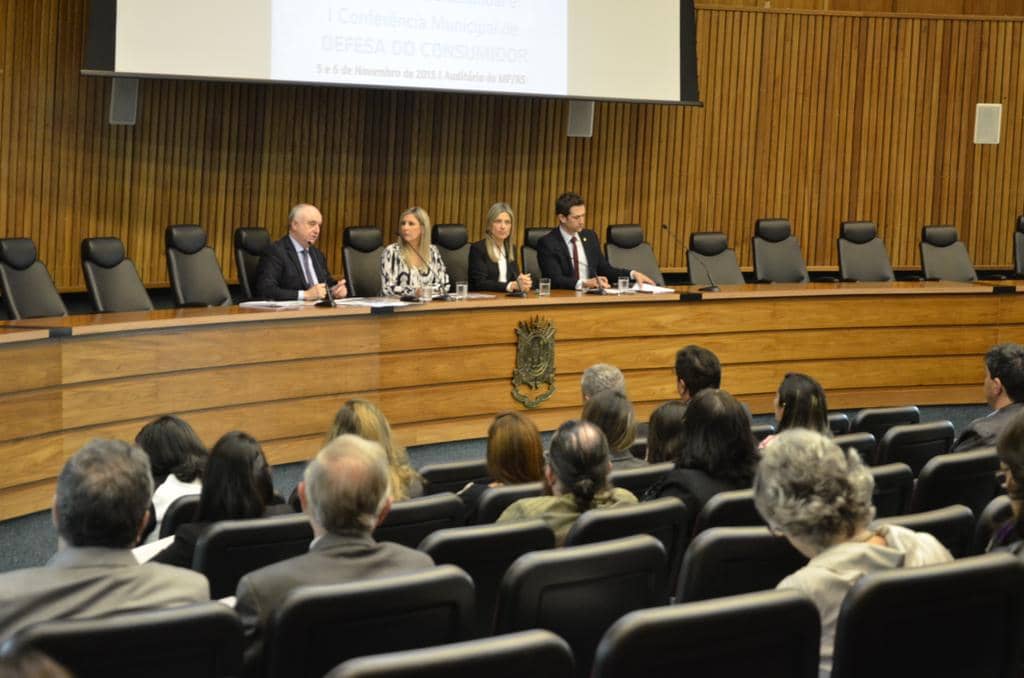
(709, 288)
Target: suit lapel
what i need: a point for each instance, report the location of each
(289, 250)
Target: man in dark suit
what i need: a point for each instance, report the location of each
(1004, 392)
(571, 256)
(292, 267)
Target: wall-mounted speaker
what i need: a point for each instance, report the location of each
(124, 100)
(581, 118)
(988, 119)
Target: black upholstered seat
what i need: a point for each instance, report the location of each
(878, 420)
(196, 278)
(777, 256)
(182, 510)
(734, 508)
(944, 257)
(626, 248)
(452, 476)
(528, 252)
(838, 423)
(953, 526)
(967, 478)
(360, 252)
(863, 442)
(112, 280)
(762, 431)
(410, 521)
(26, 285)
(997, 512)
(862, 254)
(638, 479)
(894, 485)
(1018, 248)
(495, 500)
(452, 241)
(710, 261)
(915, 444)
(250, 243)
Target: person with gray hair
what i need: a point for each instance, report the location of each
(601, 377)
(344, 491)
(100, 509)
(293, 268)
(819, 497)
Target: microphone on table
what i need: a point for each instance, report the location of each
(593, 274)
(518, 291)
(699, 259)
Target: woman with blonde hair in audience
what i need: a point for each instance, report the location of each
(411, 263)
(800, 403)
(492, 261)
(515, 455)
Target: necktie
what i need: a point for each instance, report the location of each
(575, 256)
(307, 269)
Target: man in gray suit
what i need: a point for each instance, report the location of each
(345, 494)
(100, 509)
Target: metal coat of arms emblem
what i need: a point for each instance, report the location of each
(535, 362)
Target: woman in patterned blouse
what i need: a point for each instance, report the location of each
(412, 263)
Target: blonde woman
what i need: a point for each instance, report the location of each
(412, 263)
(492, 261)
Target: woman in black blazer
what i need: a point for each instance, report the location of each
(492, 261)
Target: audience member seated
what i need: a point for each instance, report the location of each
(492, 261)
(665, 425)
(100, 509)
(515, 454)
(293, 268)
(412, 263)
(576, 472)
(1010, 447)
(344, 492)
(800, 403)
(236, 486)
(601, 377)
(177, 457)
(612, 412)
(1004, 393)
(697, 368)
(819, 497)
(716, 452)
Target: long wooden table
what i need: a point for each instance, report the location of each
(440, 371)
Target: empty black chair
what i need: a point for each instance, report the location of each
(580, 591)
(230, 549)
(452, 242)
(453, 476)
(1018, 248)
(762, 431)
(318, 627)
(626, 248)
(710, 261)
(967, 478)
(862, 254)
(769, 634)
(528, 252)
(196, 278)
(838, 423)
(777, 256)
(734, 508)
(112, 280)
(485, 552)
(198, 641)
(878, 420)
(182, 510)
(863, 442)
(637, 480)
(726, 561)
(958, 619)
(495, 500)
(250, 243)
(944, 257)
(915, 444)
(410, 521)
(953, 526)
(536, 653)
(998, 511)
(25, 283)
(894, 485)
(361, 249)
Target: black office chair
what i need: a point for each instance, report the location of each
(769, 634)
(361, 250)
(203, 640)
(997, 512)
(626, 248)
(528, 252)
(196, 278)
(26, 285)
(536, 653)
(410, 521)
(762, 431)
(250, 243)
(452, 241)
(637, 480)
(1018, 248)
(734, 508)
(112, 280)
(453, 476)
(777, 256)
(318, 627)
(710, 261)
(864, 443)
(838, 423)
(485, 552)
(894, 485)
(967, 478)
(580, 591)
(944, 257)
(182, 510)
(957, 619)
(495, 500)
(725, 561)
(230, 549)
(953, 526)
(878, 420)
(915, 444)
(862, 254)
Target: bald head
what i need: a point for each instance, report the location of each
(346, 485)
(304, 222)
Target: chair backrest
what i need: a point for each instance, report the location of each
(967, 478)
(485, 552)
(580, 591)
(318, 627)
(709, 260)
(198, 641)
(182, 510)
(878, 420)
(838, 423)
(528, 252)
(196, 278)
(536, 653)
(112, 280)
(230, 549)
(998, 511)
(952, 525)
(361, 249)
(958, 619)
(762, 431)
(26, 285)
(452, 242)
(637, 480)
(777, 256)
(250, 243)
(944, 257)
(863, 442)
(410, 521)
(1018, 248)
(894, 484)
(734, 508)
(915, 444)
(862, 254)
(626, 248)
(666, 519)
(725, 561)
(769, 634)
(452, 476)
(495, 500)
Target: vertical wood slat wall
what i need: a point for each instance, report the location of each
(815, 116)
